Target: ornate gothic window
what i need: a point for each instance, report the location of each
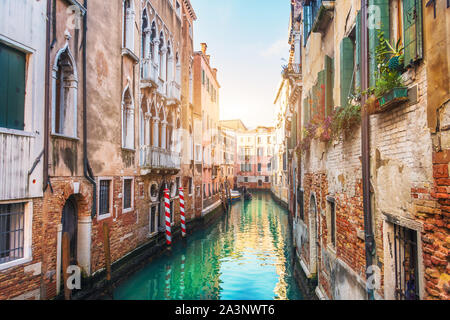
(127, 120)
(65, 87)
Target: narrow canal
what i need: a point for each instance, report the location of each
(245, 255)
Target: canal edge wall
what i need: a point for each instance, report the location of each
(97, 287)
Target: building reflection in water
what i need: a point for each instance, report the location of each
(244, 256)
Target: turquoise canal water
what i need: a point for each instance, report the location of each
(245, 255)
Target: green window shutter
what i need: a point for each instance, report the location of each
(328, 86)
(307, 16)
(346, 73)
(358, 51)
(384, 26)
(4, 73)
(294, 131)
(321, 94)
(306, 109)
(12, 88)
(412, 24)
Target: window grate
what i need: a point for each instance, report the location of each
(11, 232)
(104, 197)
(333, 222)
(406, 267)
(127, 188)
(152, 220)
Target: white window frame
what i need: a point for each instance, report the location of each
(329, 201)
(27, 237)
(126, 210)
(111, 199)
(29, 70)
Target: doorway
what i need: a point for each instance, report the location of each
(70, 226)
(314, 238)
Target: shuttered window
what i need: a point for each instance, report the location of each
(329, 71)
(347, 66)
(12, 88)
(412, 24)
(307, 23)
(382, 24)
(358, 51)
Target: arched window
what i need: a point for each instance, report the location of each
(169, 63)
(161, 55)
(152, 38)
(145, 46)
(178, 68)
(127, 120)
(65, 88)
(128, 24)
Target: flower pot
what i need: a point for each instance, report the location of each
(393, 98)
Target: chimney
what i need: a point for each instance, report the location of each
(208, 57)
(204, 47)
(215, 73)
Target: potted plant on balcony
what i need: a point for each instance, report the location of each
(389, 90)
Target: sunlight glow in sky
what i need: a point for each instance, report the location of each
(247, 40)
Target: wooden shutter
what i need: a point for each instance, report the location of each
(306, 110)
(358, 51)
(328, 86)
(384, 26)
(346, 72)
(412, 24)
(306, 23)
(12, 88)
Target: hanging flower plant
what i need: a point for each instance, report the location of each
(326, 132)
(346, 117)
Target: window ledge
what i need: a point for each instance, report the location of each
(17, 132)
(128, 52)
(103, 216)
(128, 210)
(128, 149)
(15, 263)
(62, 136)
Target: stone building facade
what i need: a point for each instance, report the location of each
(102, 136)
(206, 98)
(395, 215)
(22, 135)
(254, 158)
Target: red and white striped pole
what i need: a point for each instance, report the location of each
(168, 220)
(182, 212)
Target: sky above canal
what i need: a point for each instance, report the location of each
(247, 40)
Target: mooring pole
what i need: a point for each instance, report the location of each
(107, 251)
(183, 214)
(168, 218)
(65, 263)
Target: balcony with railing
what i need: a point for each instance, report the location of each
(174, 91)
(153, 158)
(149, 71)
(162, 87)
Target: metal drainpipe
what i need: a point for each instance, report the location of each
(86, 166)
(365, 144)
(47, 98)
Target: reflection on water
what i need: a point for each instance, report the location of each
(246, 255)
